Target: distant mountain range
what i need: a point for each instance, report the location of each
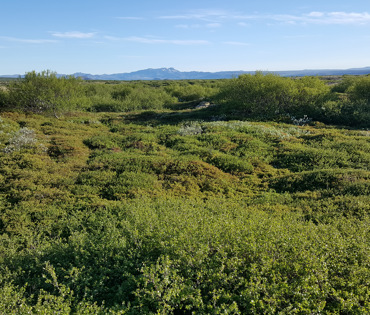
(173, 74)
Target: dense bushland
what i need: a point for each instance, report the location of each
(257, 97)
(180, 210)
(107, 213)
(128, 96)
(270, 96)
(45, 93)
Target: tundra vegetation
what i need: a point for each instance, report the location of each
(123, 198)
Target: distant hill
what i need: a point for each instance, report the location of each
(173, 74)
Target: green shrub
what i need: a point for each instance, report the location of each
(344, 84)
(4, 99)
(105, 104)
(129, 98)
(103, 141)
(44, 92)
(265, 96)
(297, 157)
(23, 139)
(339, 181)
(218, 141)
(96, 178)
(186, 93)
(122, 93)
(356, 113)
(360, 90)
(231, 164)
(129, 184)
(123, 217)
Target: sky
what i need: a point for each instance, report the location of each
(115, 36)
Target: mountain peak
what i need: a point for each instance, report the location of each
(170, 70)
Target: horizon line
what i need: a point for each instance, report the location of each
(201, 71)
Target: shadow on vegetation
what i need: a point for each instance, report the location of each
(157, 118)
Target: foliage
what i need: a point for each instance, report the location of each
(360, 89)
(45, 92)
(127, 97)
(177, 212)
(190, 128)
(3, 98)
(262, 95)
(190, 92)
(24, 138)
(258, 97)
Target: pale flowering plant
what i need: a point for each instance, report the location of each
(190, 129)
(301, 121)
(24, 138)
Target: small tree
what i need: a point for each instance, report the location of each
(44, 92)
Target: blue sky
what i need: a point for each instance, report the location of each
(113, 36)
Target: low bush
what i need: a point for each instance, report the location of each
(336, 181)
(231, 164)
(128, 98)
(298, 157)
(186, 93)
(23, 139)
(177, 255)
(130, 184)
(44, 92)
(162, 212)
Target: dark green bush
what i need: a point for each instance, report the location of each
(4, 99)
(186, 93)
(231, 164)
(177, 255)
(44, 92)
(359, 90)
(265, 96)
(302, 158)
(122, 93)
(339, 181)
(344, 84)
(130, 184)
(127, 98)
(104, 141)
(122, 217)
